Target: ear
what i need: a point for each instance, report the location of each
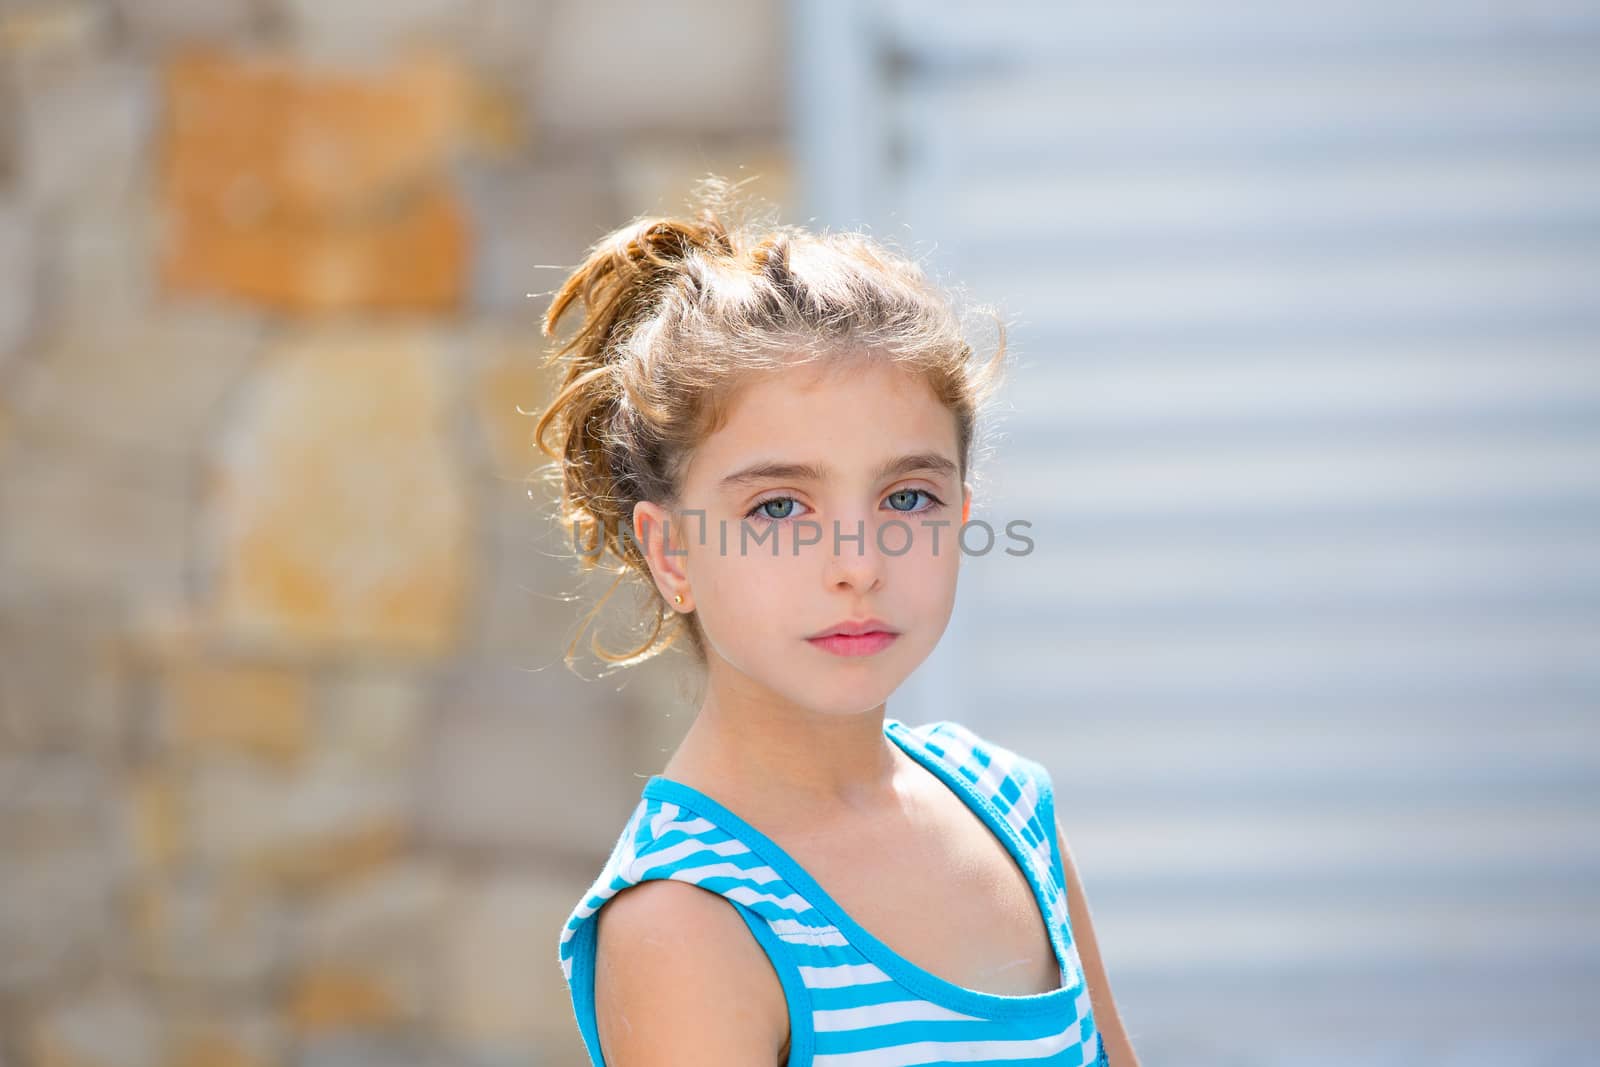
(966, 502)
(660, 537)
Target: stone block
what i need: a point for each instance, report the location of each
(526, 615)
(62, 687)
(724, 69)
(56, 902)
(413, 1048)
(395, 908)
(155, 26)
(368, 949)
(149, 819)
(103, 1027)
(510, 743)
(314, 825)
(82, 132)
(44, 38)
(259, 709)
(254, 134)
(338, 520)
(50, 797)
(19, 294)
(510, 386)
(98, 272)
(412, 261)
(156, 383)
(371, 719)
(315, 190)
(339, 998)
(500, 983)
(108, 524)
(355, 31)
(207, 932)
(506, 35)
(533, 223)
(329, 857)
(226, 1037)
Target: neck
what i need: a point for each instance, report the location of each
(777, 754)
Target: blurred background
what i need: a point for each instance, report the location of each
(1304, 411)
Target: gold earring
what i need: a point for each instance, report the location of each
(677, 598)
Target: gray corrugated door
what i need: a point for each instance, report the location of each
(1305, 415)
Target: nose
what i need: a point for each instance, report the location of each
(854, 562)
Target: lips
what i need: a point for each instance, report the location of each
(856, 629)
(861, 638)
(855, 644)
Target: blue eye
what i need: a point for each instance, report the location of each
(757, 512)
(913, 494)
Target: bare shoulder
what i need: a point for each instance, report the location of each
(680, 980)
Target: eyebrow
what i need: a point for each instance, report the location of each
(772, 470)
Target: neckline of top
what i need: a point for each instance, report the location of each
(920, 981)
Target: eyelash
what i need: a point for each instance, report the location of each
(751, 514)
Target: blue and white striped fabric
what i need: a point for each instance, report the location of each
(852, 1001)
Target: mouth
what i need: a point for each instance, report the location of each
(860, 639)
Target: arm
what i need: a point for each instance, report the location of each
(1119, 1050)
(680, 982)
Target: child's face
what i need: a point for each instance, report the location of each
(759, 607)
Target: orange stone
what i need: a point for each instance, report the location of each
(154, 818)
(258, 709)
(212, 1049)
(335, 998)
(311, 190)
(331, 859)
(508, 396)
(341, 518)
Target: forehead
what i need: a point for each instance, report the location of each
(848, 415)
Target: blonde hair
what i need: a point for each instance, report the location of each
(677, 313)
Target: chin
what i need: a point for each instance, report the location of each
(846, 709)
(827, 684)
(847, 696)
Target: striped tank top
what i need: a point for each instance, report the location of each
(852, 1001)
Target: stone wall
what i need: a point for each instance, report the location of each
(287, 750)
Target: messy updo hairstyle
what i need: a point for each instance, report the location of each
(678, 312)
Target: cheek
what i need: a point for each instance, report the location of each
(741, 597)
(932, 577)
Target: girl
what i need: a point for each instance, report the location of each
(772, 429)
